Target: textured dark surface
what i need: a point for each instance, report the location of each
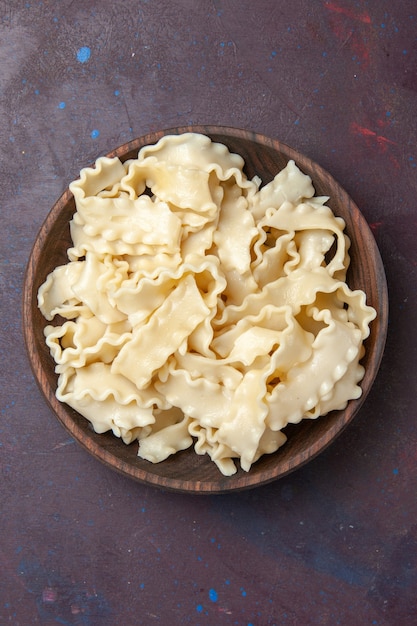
(333, 543)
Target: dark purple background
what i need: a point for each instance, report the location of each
(333, 543)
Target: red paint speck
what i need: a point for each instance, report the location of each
(383, 123)
(49, 595)
(365, 18)
(347, 33)
(395, 162)
(374, 226)
(380, 140)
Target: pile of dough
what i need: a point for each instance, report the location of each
(199, 308)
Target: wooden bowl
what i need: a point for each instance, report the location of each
(186, 471)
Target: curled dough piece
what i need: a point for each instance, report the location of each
(333, 350)
(159, 445)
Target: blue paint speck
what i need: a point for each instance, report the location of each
(213, 595)
(395, 471)
(61, 105)
(117, 92)
(243, 592)
(83, 54)
(95, 133)
(199, 608)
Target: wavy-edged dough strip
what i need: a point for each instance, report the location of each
(153, 342)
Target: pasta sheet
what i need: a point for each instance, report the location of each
(198, 308)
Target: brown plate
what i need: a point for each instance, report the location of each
(186, 471)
